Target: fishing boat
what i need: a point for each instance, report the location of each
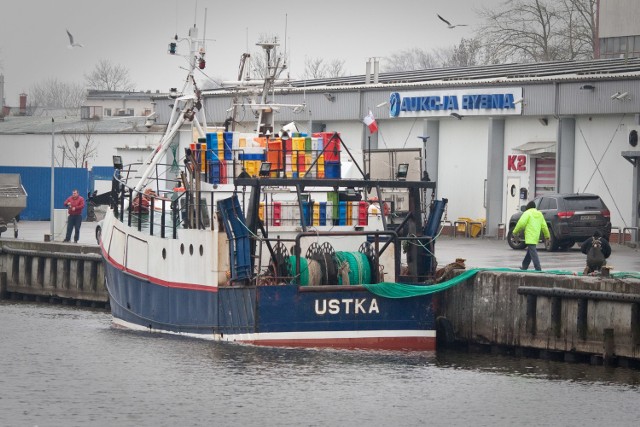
(257, 238)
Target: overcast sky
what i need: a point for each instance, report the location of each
(135, 34)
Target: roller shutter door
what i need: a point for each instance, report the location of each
(545, 176)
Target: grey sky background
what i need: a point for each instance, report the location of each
(135, 34)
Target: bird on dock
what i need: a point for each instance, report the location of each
(450, 24)
(72, 44)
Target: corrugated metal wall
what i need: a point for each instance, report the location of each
(540, 98)
(37, 183)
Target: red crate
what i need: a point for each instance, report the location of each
(363, 213)
(331, 145)
(277, 213)
(274, 155)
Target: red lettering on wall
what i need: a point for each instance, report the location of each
(517, 163)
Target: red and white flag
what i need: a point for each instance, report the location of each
(370, 121)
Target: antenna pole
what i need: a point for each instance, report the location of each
(204, 30)
(285, 35)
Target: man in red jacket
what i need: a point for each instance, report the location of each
(74, 204)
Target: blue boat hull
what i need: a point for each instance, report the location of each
(283, 315)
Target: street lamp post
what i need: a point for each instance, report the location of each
(52, 229)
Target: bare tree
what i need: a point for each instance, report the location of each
(317, 68)
(79, 147)
(313, 68)
(52, 93)
(335, 68)
(412, 59)
(467, 53)
(581, 32)
(109, 76)
(265, 61)
(539, 30)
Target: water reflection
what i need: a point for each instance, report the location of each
(538, 368)
(68, 366)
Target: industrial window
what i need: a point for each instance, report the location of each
(609, 48)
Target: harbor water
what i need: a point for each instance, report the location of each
(65, 366)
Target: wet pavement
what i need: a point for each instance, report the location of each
(494, 253)
(478, 252)
(36, 230)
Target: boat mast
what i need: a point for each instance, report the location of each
(271, 72)
(185, 108)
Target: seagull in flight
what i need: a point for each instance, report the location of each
(449, 23)
(72, 44)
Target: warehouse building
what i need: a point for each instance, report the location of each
(498, 135)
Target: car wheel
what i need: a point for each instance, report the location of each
(514, 241)
(551, 244)
(565, 246)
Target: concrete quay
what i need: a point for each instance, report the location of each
(33, 268)
(565, 317)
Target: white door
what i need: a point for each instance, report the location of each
(513, 197)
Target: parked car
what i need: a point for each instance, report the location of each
(571, 218)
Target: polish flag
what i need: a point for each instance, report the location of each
(370, 121)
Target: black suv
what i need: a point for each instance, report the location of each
(571, 218)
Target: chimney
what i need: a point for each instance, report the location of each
(23, 104)
(376, 69)
(368, 72)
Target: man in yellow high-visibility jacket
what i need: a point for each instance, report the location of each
(532, 221)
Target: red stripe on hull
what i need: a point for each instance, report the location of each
(386, 343)
(155, 280)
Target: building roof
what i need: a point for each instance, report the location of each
(500, 73)
(118, 95)
(17, 125)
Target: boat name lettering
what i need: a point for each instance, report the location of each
(346, 305)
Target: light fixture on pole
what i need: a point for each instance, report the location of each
(150, 120)
(403, 170)
(265, 169)
(117, 162)
(76, 144)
